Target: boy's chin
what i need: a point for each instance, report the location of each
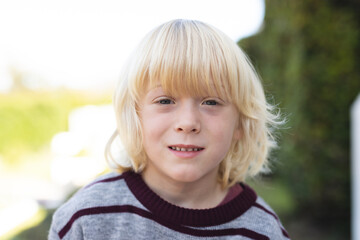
(188, 176)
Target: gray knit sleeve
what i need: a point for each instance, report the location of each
(56, 230)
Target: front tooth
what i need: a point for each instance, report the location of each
(189, 149)
(178, 149)
(183, 149)
(196, 149)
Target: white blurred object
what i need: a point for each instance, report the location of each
(17, 213)
(79, 153)
(94, 124)
(67, 144)
(6, 82)
(76, 171)
(355, 168)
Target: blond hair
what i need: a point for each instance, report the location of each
(187, 56)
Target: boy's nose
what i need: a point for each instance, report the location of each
(188, 120)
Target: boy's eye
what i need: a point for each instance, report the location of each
(165, 101)
(210, 102)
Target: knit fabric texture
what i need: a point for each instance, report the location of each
(122, 206)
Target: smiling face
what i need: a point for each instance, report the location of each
(186, 137)
(189, 58)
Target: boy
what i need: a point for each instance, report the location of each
(193, 119)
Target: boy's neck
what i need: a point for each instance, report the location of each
(201, 194)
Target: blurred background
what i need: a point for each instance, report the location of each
(59, 63)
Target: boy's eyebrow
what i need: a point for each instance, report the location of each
(214, 86)
(153, 88)
(149, 88)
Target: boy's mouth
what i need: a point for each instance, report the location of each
(186, 149)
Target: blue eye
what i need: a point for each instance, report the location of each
(210, 102)
(165, 101)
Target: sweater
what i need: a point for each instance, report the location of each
(122, 206)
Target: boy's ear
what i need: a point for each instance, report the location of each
(237, 134)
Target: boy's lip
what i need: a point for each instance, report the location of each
(186, 151)
(186, 146)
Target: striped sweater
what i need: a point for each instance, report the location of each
(124, 207)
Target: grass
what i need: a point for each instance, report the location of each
(276, 194)
(28, 120)
(33, 222)
(39, 229)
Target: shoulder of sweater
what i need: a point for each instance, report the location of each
(106, 190)
(268, 220)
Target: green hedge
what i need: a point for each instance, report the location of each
(307, 54)
(28, 120)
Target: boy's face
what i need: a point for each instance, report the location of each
(186, 138)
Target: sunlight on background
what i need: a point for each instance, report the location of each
(17, 213)
(79, 45)
(82, 43)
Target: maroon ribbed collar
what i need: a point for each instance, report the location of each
(189, 217)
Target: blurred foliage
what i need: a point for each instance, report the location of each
(29, 119)
(39, 231)
(307, 53)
